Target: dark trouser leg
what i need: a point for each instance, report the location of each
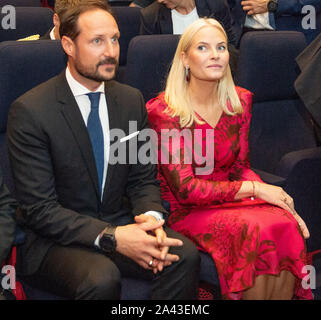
(178, 281)
(181, 279)
(78, 273)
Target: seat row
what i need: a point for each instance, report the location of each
(21, 3)
(33, 19)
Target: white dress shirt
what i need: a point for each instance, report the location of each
(80, 94)
(182, 21)
(52, 34)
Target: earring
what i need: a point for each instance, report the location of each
(187, 73)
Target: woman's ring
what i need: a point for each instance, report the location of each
(150, 263)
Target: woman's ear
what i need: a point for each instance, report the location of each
(184, 59)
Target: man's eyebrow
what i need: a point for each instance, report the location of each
(103, 35)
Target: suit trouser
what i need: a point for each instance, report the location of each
(83, 273)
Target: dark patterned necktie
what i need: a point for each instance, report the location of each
(96, 135)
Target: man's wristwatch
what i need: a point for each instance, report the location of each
(272, 5)
(107, 241)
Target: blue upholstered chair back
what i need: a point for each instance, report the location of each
(21, 3)
(148, 62)
(23, 66)
(128, 20)
(294, 23)
(118, 3)
(280, 123)
(29, 21)
(282, 140)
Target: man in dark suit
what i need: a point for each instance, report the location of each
(89, 219)
(157, 17)
(7, 226)
(264, 14)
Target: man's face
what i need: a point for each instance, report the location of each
(96, 49)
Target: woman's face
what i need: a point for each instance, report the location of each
(208, 56)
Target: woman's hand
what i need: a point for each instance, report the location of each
(277, 196)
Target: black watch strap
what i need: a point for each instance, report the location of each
(272, 6)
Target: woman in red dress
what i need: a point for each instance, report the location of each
(250, 228)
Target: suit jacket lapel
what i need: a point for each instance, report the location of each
(114, 123)
(72, 114)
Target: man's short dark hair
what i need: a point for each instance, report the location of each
(69, 18)
(62, 5)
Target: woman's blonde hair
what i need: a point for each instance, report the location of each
(176, 91)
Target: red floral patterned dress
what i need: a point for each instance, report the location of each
(246, 238)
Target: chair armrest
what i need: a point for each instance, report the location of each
(270, 178)
(304, 186)
(290, 160)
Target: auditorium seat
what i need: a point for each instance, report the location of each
(21, 3)
(148, 62)
(294, 23)
(29, 21)
(41, 60)
(118, 3)
(128, 20)
(23, 66)
(282, 141)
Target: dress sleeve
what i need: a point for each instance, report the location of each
(240, 170)
(186, 187)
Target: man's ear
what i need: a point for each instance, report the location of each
(68, 46)
(56, 20)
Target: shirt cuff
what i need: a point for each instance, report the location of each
(97, 241)
(157, 215)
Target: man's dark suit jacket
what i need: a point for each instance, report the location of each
(55, 174)
(46, 36)
(7, 220)
(157, 19)
(308, 84)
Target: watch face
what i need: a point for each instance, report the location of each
(107, 243)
